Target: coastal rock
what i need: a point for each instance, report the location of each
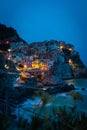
(5, 79)
(63, 70)
(67, 88)
(2, 61)
(80, 72)
(49, 82)
(59, 89)
(11, 65)
(30, 82)
(83, 89)
(15, 94)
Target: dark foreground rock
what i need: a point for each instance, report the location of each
(83, 89)
(59, 89)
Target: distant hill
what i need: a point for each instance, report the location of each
(7, 32)
(8, 35)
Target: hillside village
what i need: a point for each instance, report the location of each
(44, 66)
(40, 59)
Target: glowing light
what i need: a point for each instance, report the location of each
(70, 61)
(9, 57)
(1, 51)
(42, 76)
(9, 50)
(7, 42)
(23, 74)
(70, 49)
(43, 66)
(61, 47)
(36, 64)
(19, 69)
(25, 66)
(6, 66)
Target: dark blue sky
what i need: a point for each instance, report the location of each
(38, 20)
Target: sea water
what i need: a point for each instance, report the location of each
(60, 99)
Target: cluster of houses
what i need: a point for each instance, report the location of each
(39, 56)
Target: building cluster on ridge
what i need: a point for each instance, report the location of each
(39, 57)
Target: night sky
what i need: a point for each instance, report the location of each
(39, 20)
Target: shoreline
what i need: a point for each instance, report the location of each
(22, 98)
(74, 78)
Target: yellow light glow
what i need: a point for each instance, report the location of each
(43, 66)
(61, 47)
(9, 58)
(35, 65)
(70, 61)
(9, 50)
(23, 74)
(25, 66)
(6, 66)
(19, 69)
(42, 76)
(70, 49)
(1, 51)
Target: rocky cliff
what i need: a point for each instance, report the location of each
(67, 61)
(63, 70)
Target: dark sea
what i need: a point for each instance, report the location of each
(60, 99)
(65, 99)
